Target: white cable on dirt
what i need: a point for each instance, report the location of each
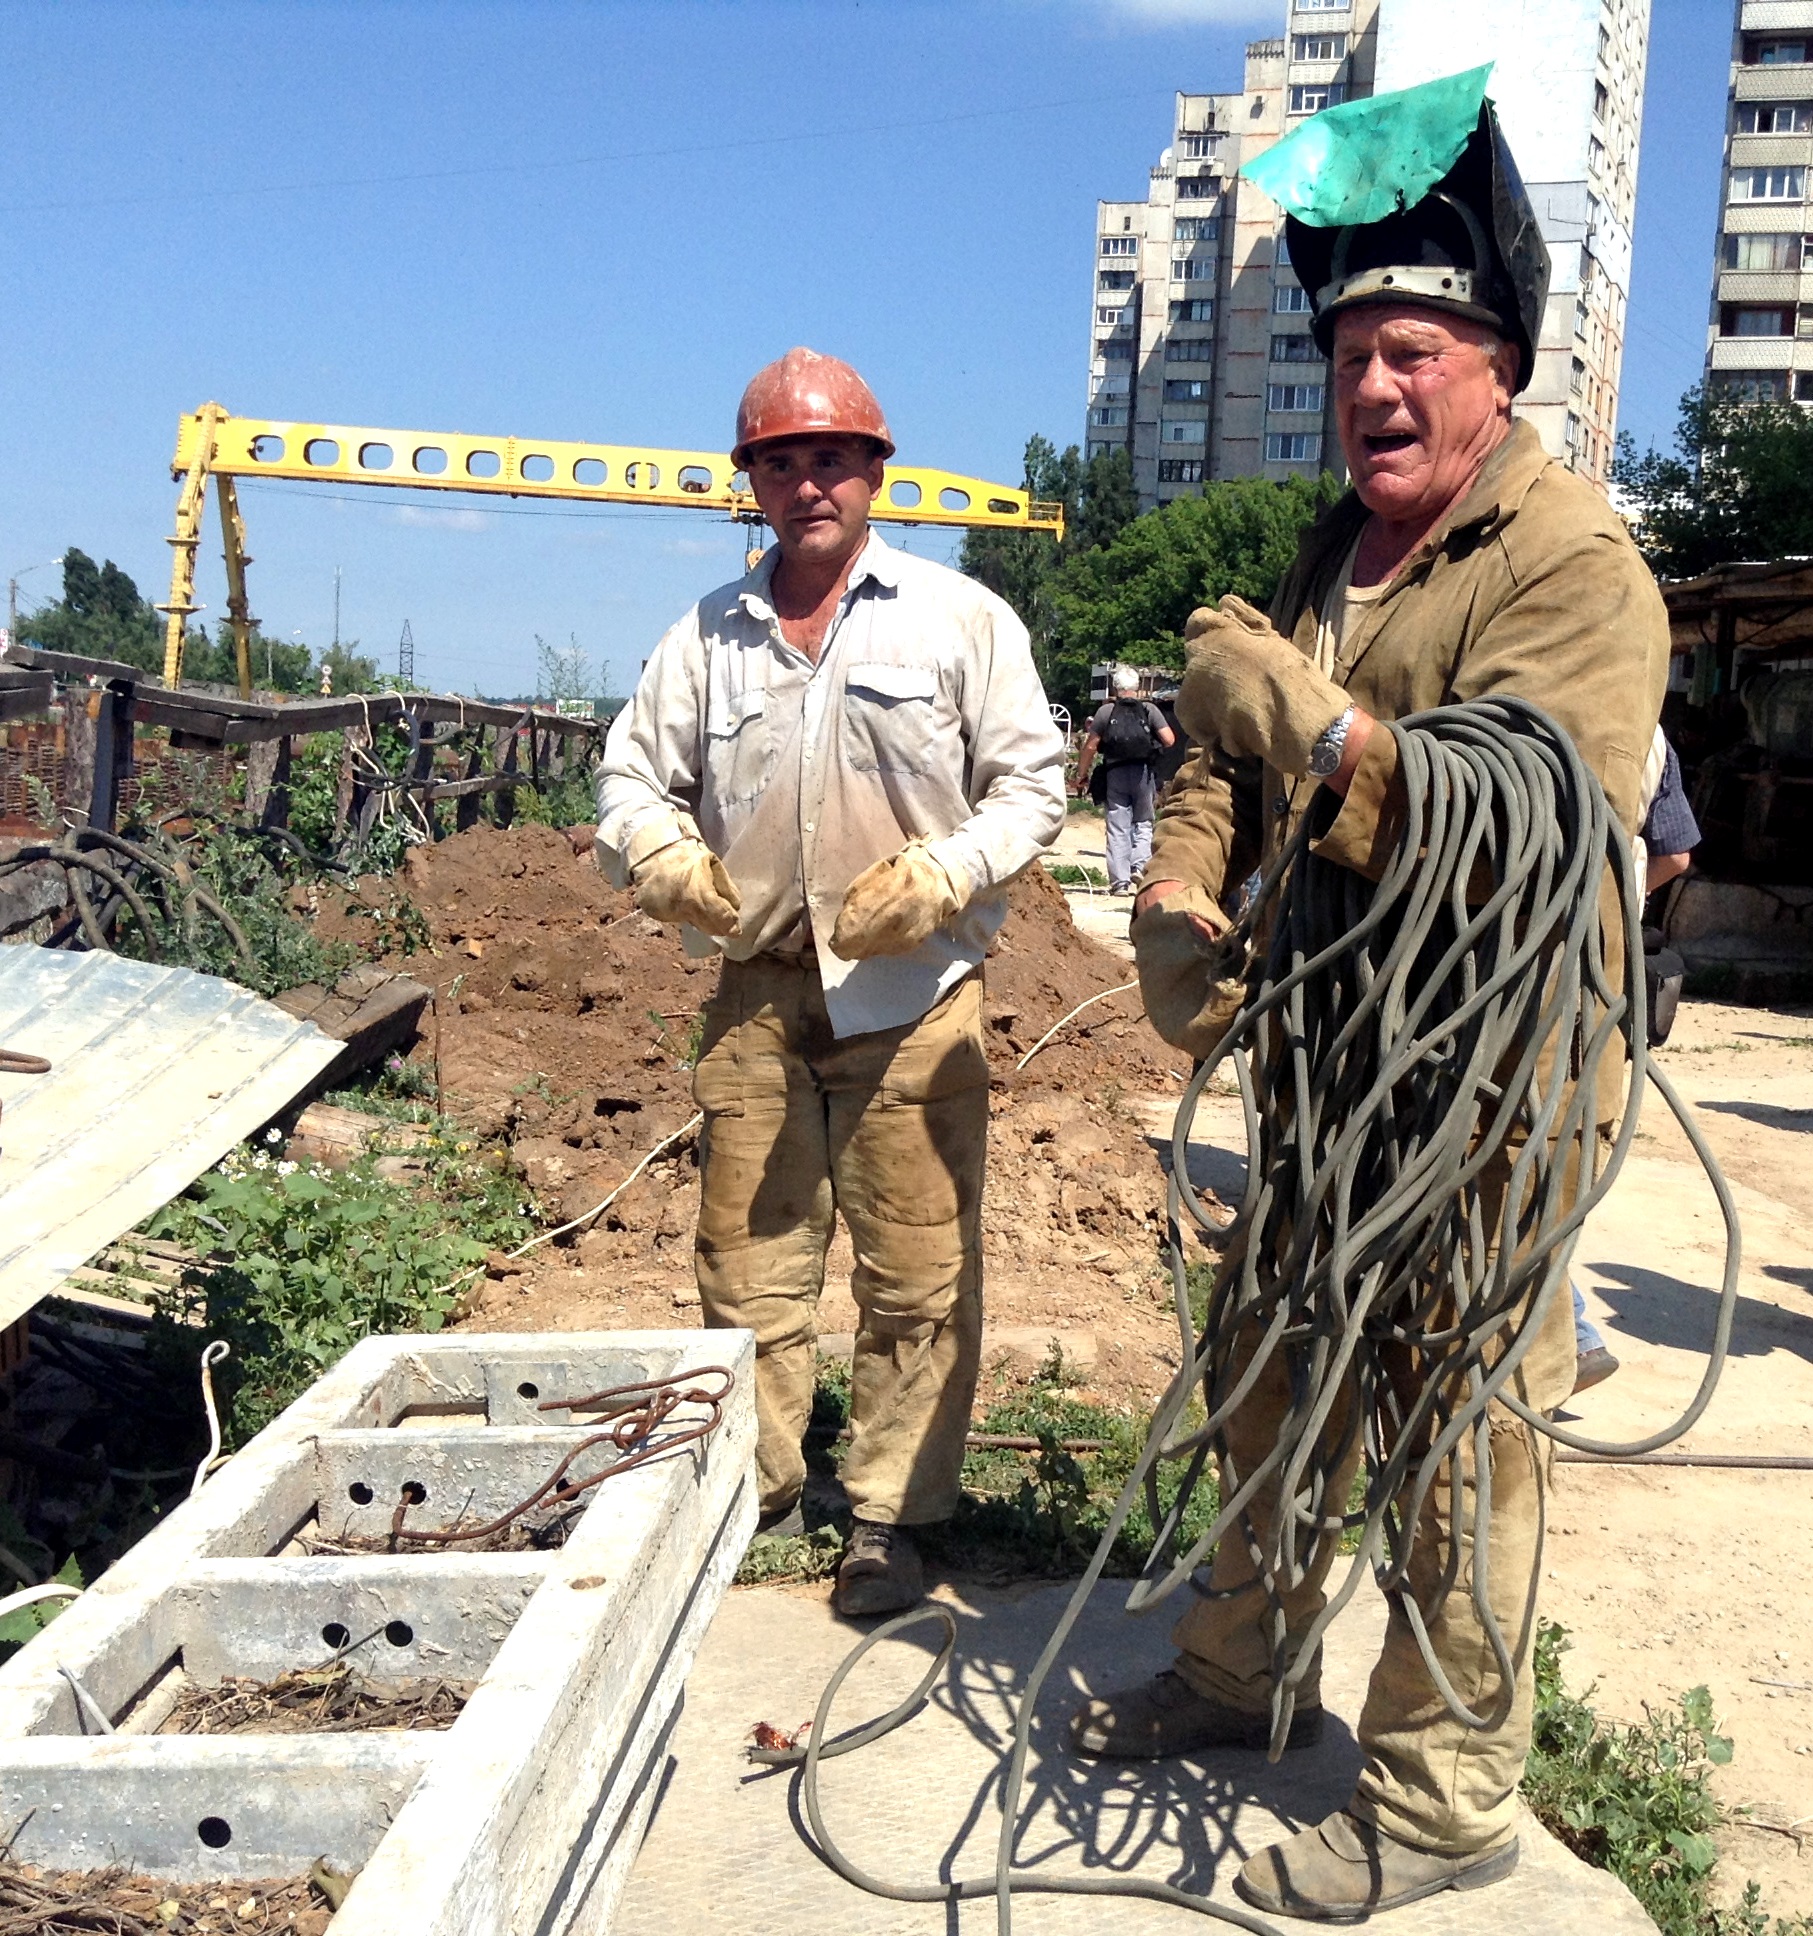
(597, 1210)
(1123, 989)
(212, 1355)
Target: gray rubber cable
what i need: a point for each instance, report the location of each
(1424, 1155)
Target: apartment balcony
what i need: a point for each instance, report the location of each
(1771, 150)
(1769, 16)
(1775, 83)
(1757, 352)
(1756, 286)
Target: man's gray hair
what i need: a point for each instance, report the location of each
(1125, 679)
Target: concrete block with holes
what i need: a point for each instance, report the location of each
(524, 1815)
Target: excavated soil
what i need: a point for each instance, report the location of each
(567, 1021)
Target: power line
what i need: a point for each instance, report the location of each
(702, 146)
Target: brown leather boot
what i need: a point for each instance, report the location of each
(1168, 1717)
(881, 1571)
(1344, 1870)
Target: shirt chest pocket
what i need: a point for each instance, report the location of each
(890, 718)
(738, 749)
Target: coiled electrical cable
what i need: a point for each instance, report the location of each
(1422, 1066)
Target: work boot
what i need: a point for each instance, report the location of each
(881, 1571)
(782, 1522)
(1593, 1368)
(1344, 1870)
(1168, 1717)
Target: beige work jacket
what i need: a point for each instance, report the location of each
(1532, 587)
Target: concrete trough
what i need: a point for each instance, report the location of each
(524, 1814)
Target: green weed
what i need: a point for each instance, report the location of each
(302, 1262)
(1638, 1800)
(1072, 874)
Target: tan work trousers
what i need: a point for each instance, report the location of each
(891, 1129)
(1428, 1780)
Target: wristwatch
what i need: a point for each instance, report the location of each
(1331, 743)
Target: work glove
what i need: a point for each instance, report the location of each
(1192, 986)
(686, 882)
(1252, 693)
(896, 904)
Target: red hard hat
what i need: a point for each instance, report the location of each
(803, 392)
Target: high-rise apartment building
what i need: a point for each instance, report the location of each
(1202, 365)
(1760, 337)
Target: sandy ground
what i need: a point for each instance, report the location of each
(1667, 1579)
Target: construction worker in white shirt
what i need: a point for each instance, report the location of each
(829, 773)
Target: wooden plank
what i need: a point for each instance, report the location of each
(370, 1010)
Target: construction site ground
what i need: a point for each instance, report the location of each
(565, 1023)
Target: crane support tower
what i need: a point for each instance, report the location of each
(212, 443)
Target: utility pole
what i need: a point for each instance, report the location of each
(336, 610)
(12, 595)
(406, 656)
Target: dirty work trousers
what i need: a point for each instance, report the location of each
(1131, 806)
(1427, 1780)
(889, 1128)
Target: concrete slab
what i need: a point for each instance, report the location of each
(725, 1851)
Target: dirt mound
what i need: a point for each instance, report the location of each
(568, 1023)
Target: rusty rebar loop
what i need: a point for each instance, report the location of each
(631, 1432)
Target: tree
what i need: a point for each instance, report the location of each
(1128, 600)
(100, 616)
(1738, 484)
(563, 671)
(1021, 566)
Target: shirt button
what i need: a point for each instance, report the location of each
(812, 826)
(1281, 806)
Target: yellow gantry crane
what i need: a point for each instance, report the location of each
(210, 442)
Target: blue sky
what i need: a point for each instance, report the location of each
(593, 222)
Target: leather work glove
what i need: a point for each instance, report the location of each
(896, 904)
(1251, 692)
(686, 882)
(1192, 987)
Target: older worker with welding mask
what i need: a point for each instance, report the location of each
(1463, 562)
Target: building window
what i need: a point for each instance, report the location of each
(1595, 155)
(1115, 318)
(1803, 386)
(1767, 184)
(1581, 319)
(1293, 447)
(1198, 188)
(1106, 416)
(1764, 252)
(1180, 470)
(1120, 245)
(1288, 300)
(1777, 53)
(1118, 349)
(1198, 147)
(1101, 450)
(1193, 269)
(1194, 309)
(1576, 381)
(1114, 279)
(1318, 47)
(1294, 396)
(1752, 386)
(1314, 96)
(1323, 6)
(1183, 430)
(1738, 319)
(1570, 431)
(1601, 100)
(1186, 390)
(1196, 228)
(1775, 117)
(1295, 349)
(1189, 349)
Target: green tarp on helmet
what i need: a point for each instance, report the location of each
(1411, 197)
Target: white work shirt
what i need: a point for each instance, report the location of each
(923, 718)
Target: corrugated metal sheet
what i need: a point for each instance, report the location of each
(155, 1074)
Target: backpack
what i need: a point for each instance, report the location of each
(1128, 738)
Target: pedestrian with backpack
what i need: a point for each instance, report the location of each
(1127, 734)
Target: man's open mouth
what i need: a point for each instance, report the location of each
(1388, 441)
